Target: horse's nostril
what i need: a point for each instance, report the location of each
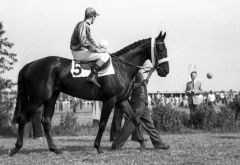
(165, 72)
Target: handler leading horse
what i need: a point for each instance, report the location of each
(41, 81)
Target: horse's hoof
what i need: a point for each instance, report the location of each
(100, 151)
(162, 147)
(13, 151)
(56, 151)
(114, 147)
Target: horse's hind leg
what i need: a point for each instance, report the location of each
(29, 111)
(46, 121)
(19, 142)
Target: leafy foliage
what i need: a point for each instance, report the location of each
(68, 125)
(168, 119)
(205, 118)
(7, 60)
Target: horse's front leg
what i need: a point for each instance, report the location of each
(108, 105)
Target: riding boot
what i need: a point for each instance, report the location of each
(93, 75)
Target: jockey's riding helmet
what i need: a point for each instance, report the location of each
(90, 12)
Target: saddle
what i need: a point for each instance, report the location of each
(87, 65)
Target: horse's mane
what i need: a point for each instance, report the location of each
(127, 48)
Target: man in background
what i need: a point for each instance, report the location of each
(96, 110)
(211, 99)
(193, 90)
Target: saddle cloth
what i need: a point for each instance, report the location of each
(82, 69)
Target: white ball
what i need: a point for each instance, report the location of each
(104, 44)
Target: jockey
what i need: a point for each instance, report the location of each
(84, 48)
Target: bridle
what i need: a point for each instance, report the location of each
(155, 61)
(153, 47)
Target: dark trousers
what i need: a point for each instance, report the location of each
(195, 116)
(137, 135)
(117, 124)
(192, 109)
(147, 123)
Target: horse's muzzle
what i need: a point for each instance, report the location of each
(163, 69)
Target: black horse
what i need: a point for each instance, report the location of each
(41, 81)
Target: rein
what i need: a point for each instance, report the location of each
(127, 62)
(152, 69)
(150, 73)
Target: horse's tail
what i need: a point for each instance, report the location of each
(22, 97)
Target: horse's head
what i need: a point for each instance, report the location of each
(159, 55)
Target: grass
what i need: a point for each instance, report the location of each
(208, 148)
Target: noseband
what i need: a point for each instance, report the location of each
(154, 60)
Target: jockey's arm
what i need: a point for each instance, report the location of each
(90, 39)
(93, 45)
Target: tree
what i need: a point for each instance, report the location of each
(7, 60)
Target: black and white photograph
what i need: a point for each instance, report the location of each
(130, 82)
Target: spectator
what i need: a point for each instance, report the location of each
(230, 96)
(185, 101)
(96, 109)
(158, 98)
(73, 104)
(80, 103)
(193, 90)
(153, 100)
(222, 97)
(211, 99)
(149, 99)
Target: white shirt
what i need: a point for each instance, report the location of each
(211, 97)
(222, 95)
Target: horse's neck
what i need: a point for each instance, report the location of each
(137, 57)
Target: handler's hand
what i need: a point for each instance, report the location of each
(145, 81)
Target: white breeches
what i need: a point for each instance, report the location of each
(90, 56)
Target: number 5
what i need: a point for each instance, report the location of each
(77, 69)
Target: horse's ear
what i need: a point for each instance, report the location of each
(164, 35)
(160, 35)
